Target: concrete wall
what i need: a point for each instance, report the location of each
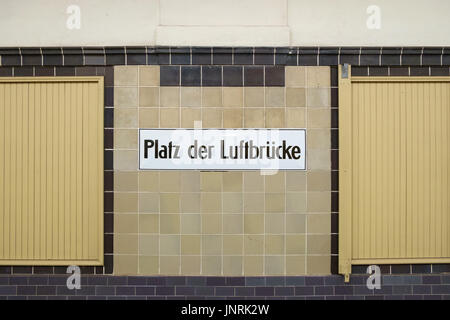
(224, 23)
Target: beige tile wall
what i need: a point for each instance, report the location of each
(221, 223)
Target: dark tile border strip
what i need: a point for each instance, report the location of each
(287, 56)
(397, 287)
(108, 74)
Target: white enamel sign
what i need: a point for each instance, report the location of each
(222, 149)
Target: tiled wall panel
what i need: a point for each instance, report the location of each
(222, 223)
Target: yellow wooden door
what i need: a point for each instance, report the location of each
(51, 171)
(394, 170)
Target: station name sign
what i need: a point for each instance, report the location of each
(222, 149)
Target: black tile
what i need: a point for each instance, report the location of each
(44, 71)
(201, 55)
(108, 140)
(360, 71)
(274, 76)
(441, 268)
(100, 270)
(411, 50)
(399, 71)
(65, 71)
(334, 118)
(191, 76)
(334, 76)
(46, 290)
(115, 55)
(264, 291)
(109, 222)
(439, 71)
(108, 161)
(307, 59)
(180, 56)
(216, 281)
(170, 75)
(334, 267)
(165, 291)
(446, 59)
(23, 71)
(329, 50)
(334, 202)
(72, 50)
(109, 96)
(108, 263)
(22, 270)
(308, 50)
(431, 60)
(39, 280)
(43, 270)
(281, 56)
(153, 57)
(108, 201)
(335, 220)
(11, 60)
(410, 60)
(6, 71)
(253, 76)
(400, 269)
(85, 71)
(109, 118)
(334, 139)
(5, 270)
(431, 279)
(86, 270)
(371, 50)
(163, 55)
(211, 76)
(351, 59)
(378, 71)
(390, 59)
(369, 60)
(94, 59)
(101, 70)
(222, 55)
(108, 245)
(264, 56)
(9, 51)
(433, 51)
(421, 268)
(108, 180)
(52, 60)
(109, 76)
(350, 50)
(73, 59)
(385, 269)
(26, 290)
(292, 57)
(328, 59)
(30, 51)
(391, 50)
(232, 76)
(359, 269)
(334, 97)
(334, 159)
(243, 56)
(334, 244)
(235, 281)
(135, 55)
(31, 59)
(419, 71)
